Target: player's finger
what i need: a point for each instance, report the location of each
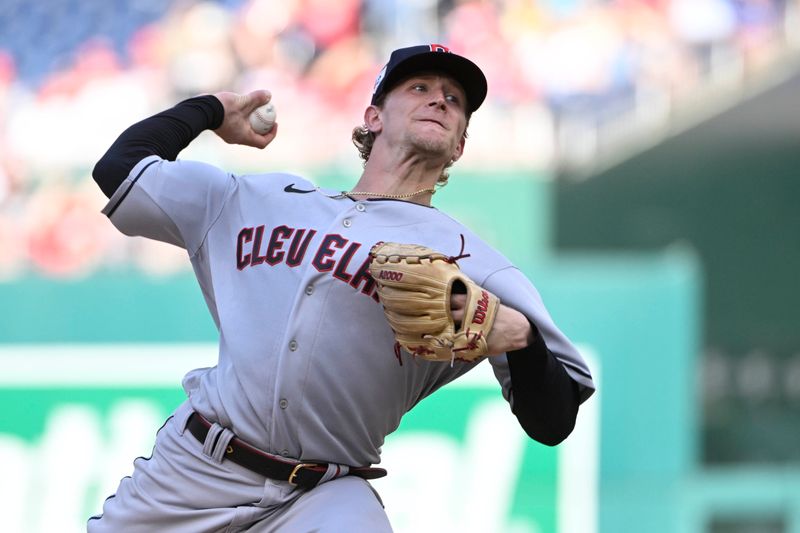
(257, 99)
(261, 141)
(458, 301)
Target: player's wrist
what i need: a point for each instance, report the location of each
(512, 331)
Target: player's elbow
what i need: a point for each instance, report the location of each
(548, 426)
(108, 175)
(550, 435)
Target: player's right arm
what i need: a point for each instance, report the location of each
(153, 195)
(167, 133)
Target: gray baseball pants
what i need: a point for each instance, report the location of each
(183, 488)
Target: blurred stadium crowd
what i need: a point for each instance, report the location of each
(75, 73)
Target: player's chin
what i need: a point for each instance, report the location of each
(437, 142)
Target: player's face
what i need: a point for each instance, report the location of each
(427, 112)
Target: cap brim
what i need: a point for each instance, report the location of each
(464, 71)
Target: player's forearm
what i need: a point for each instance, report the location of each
(164, 134)
(546, 399)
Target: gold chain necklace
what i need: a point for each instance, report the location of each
(431, 190)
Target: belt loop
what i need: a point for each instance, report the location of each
(333, 472)
(221, 447)
(182, 414)
(211, 440)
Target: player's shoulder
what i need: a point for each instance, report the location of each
(482, 257)
(273, 182)
(276, 179)
(471, 237)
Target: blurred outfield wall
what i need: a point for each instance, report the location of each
(110, 350)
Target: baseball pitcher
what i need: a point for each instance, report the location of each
(337, 311)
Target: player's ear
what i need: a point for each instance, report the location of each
(459, 148)
(372, 119)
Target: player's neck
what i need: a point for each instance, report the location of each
(408, 191)
(406, 181)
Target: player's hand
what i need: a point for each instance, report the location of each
(235, 128)
(511, 329)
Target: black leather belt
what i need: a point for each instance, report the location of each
(304, 475)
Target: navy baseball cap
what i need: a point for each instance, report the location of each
(437, 58)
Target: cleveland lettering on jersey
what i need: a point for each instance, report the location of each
(333, 254)
(322, 259)
(274, 253)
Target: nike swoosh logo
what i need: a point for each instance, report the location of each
(290, 188)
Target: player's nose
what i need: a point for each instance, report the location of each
(437, 100)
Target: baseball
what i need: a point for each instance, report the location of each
(263, 118)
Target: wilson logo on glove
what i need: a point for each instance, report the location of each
(481, 308)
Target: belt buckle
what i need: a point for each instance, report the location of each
(295, 471)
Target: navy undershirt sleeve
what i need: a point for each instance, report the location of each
(546, 398)
(164, 134)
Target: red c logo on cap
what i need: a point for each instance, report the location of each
(439, 48)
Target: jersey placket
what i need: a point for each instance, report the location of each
(303, 334)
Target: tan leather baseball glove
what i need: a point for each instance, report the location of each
(414, 284)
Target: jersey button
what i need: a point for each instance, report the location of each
(346, 223)
(284, 403)
(293, 345)
(310, 290)
(285, 453)
(360, 207)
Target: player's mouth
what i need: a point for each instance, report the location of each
(434, 121)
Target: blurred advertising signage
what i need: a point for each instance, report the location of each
(75, 417)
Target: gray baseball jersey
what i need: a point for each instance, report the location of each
(307, 367)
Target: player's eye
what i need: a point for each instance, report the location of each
(453, 98)
(419, 87)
